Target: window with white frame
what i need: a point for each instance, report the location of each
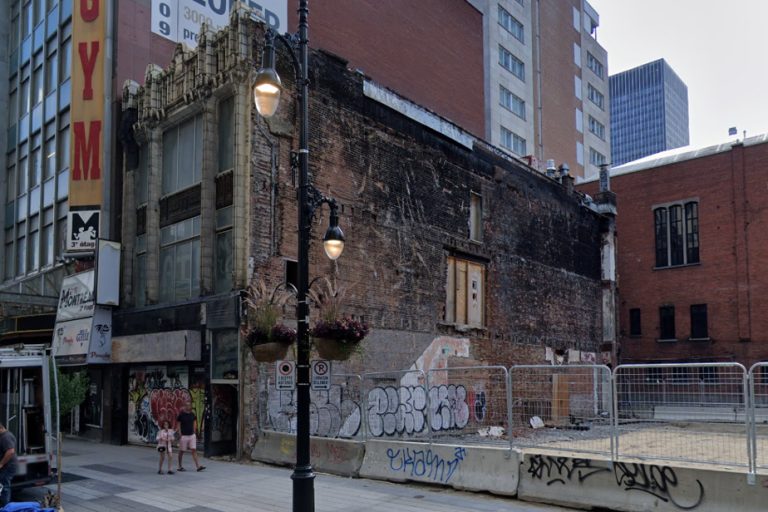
(595, 96)
(579, 121)
(511, 63)
(513, 142)
(180, 260)
(465, 292)
(511, 24)
(512, 102)
(577, 86)
(183, 155)
(577, 54)
(595, 65)
(676, 228)
(596, 127)
(596, 158)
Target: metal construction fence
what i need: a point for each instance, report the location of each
(706, 413)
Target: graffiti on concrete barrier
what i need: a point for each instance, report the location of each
(425, 463)
(561, 469)
(398, 410)
(658, 481)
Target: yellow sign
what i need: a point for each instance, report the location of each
(87, 166)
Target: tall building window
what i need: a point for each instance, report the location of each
(140, 272)
(595, 96)
(180, 260)
(226, 127)
(511, 102)
(699, 328)
(513, 142)
(224, 248)
(635, 324)
(475, 217)
(667, 323)
(141, 176)
(596, 127)
(183, 155)
(677, 234)
(596, 158)
(511, 63)
(511, 24)
(595, 65)
(465, 299)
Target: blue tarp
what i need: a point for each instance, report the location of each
(25, 506)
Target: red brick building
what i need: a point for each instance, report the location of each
(429, 51)
(692, 246)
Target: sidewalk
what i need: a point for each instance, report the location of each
(107, 478)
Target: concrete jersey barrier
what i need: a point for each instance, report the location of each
(474, 468)
(636, 487)
(336, 456)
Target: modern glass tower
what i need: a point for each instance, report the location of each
(649, 112)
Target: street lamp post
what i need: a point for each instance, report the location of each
(266, 91)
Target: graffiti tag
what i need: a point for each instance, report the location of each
(425, 463)
(560, 469)
(659, 481)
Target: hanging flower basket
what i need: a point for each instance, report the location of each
(334, 350)
(337, 340)
(269, 352)
(270, 346)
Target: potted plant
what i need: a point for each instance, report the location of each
(267, 337)
(336, 337)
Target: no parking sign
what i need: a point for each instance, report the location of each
(321, 375)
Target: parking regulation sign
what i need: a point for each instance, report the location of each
(321, 375)
(285, 375)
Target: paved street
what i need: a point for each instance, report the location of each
(106, 478)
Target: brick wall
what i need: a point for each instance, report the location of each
(430, 51)
(405, 194)
(730, 187)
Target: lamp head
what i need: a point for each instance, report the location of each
(333, 241)
(266, 91)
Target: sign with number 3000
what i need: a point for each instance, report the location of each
(181, 20)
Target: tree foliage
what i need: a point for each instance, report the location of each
(72, 390)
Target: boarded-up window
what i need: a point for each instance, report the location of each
(465, 292)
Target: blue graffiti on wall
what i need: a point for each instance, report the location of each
(425, 463)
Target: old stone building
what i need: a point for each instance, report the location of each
(453, 250)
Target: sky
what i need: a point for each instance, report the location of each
(719, 49)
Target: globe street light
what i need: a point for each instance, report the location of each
(267, 89)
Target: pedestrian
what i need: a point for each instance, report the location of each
(187, 426)
(7, 464)
(165, 446)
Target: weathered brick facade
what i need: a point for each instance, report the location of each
(728, 183)
(405, 193)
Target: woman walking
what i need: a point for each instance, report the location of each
(165, 447)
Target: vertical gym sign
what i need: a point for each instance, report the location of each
(86, 173)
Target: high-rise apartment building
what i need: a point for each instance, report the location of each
(546, 81)
(649, 112)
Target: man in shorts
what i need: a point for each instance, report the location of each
(7, 464)
(187, 426)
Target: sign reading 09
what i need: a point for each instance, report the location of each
(181, 20)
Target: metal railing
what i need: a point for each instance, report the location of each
(686, 412)
(703, 413)
(470, 404)
(563, 408)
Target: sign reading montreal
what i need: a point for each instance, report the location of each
(181, 20)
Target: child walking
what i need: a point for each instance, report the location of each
(165, 446)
